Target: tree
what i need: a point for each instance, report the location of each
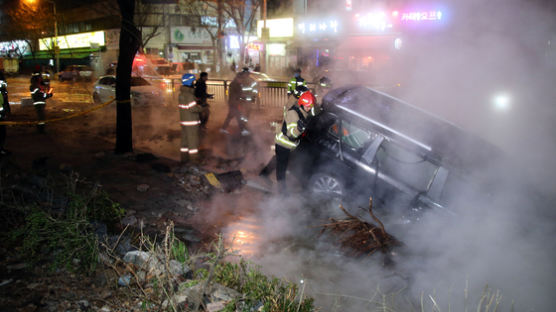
(28, 22)
(130, 40)
(200, 11)
(148, 23)
(243, 13)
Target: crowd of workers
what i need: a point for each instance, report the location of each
(243, 91)
(194, 113)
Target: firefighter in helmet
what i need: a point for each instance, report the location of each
(288, 135)
(190, 119)
(39, 93)
(4, 111)
(296, 84)
(324, 85)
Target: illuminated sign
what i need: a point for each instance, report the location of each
(254, 46)
(6, 47)
(213, 21)
(82, 40)
(375, 21)
(279, 28)
(349, 5)
(276, 49)
(421, 16)
(186, 35)
(324, 27)
(233, 42)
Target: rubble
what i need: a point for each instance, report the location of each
(143, 188)
(361, 237)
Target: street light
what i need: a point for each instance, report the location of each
(501, 101)
(56, 48)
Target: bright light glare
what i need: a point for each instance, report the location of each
(501, 102)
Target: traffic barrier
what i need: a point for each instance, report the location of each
(94, 108)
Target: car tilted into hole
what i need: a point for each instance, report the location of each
(366, 143)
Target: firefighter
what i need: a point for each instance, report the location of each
(39, 94)
(295, 84)
(234, 105)
(4, 111)
(202, 96)
(322, 88)
(4, 91)
(190, 120)
(248, 96)
(288, 135)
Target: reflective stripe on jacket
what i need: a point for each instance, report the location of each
(189, 110)
(290, 140)
(294, 83)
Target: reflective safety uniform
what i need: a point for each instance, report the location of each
(248, 97)
(39, 95)
(190, 122)
(294, 84)
(288, 135)
(4, 110)
(287, 139)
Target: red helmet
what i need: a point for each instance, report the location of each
(306, 99)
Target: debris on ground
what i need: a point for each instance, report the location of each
(360, 236)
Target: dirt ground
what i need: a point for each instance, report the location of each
(85, 145)
(173, 192)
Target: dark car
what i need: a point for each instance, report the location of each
(366, 143)
(75, 73)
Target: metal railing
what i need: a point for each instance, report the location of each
(272, 94)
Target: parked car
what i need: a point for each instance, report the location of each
(366, 143)
(76, 73)
(142, 92)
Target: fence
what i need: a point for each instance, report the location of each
(272, 94)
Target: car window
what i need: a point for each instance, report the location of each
(352, 136)
(405, 165)
(107, 81)
(138, 81)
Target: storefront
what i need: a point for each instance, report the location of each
(191, 45)
(280, 37)
(369, 45)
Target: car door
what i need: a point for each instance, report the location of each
(404, 174)
(106, 88)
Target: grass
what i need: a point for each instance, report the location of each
(65, 237)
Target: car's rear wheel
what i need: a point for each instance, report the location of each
(326, 186)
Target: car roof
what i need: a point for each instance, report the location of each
(412, 125)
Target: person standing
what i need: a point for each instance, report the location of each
(234, 102)
(4, 112)
(4, 90)
(297, 84)
(189, 120)
(202, 96)
(288, 136)
(39, 94)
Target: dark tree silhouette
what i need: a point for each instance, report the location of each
(130, 40)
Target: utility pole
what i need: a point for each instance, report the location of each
(56, 47)
(264, 36)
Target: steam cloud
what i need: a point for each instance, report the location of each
(507, 242)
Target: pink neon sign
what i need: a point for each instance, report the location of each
(421, 16)
(349, 5)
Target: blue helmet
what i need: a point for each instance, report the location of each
(187, 80)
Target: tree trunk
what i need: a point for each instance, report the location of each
(130, 39)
